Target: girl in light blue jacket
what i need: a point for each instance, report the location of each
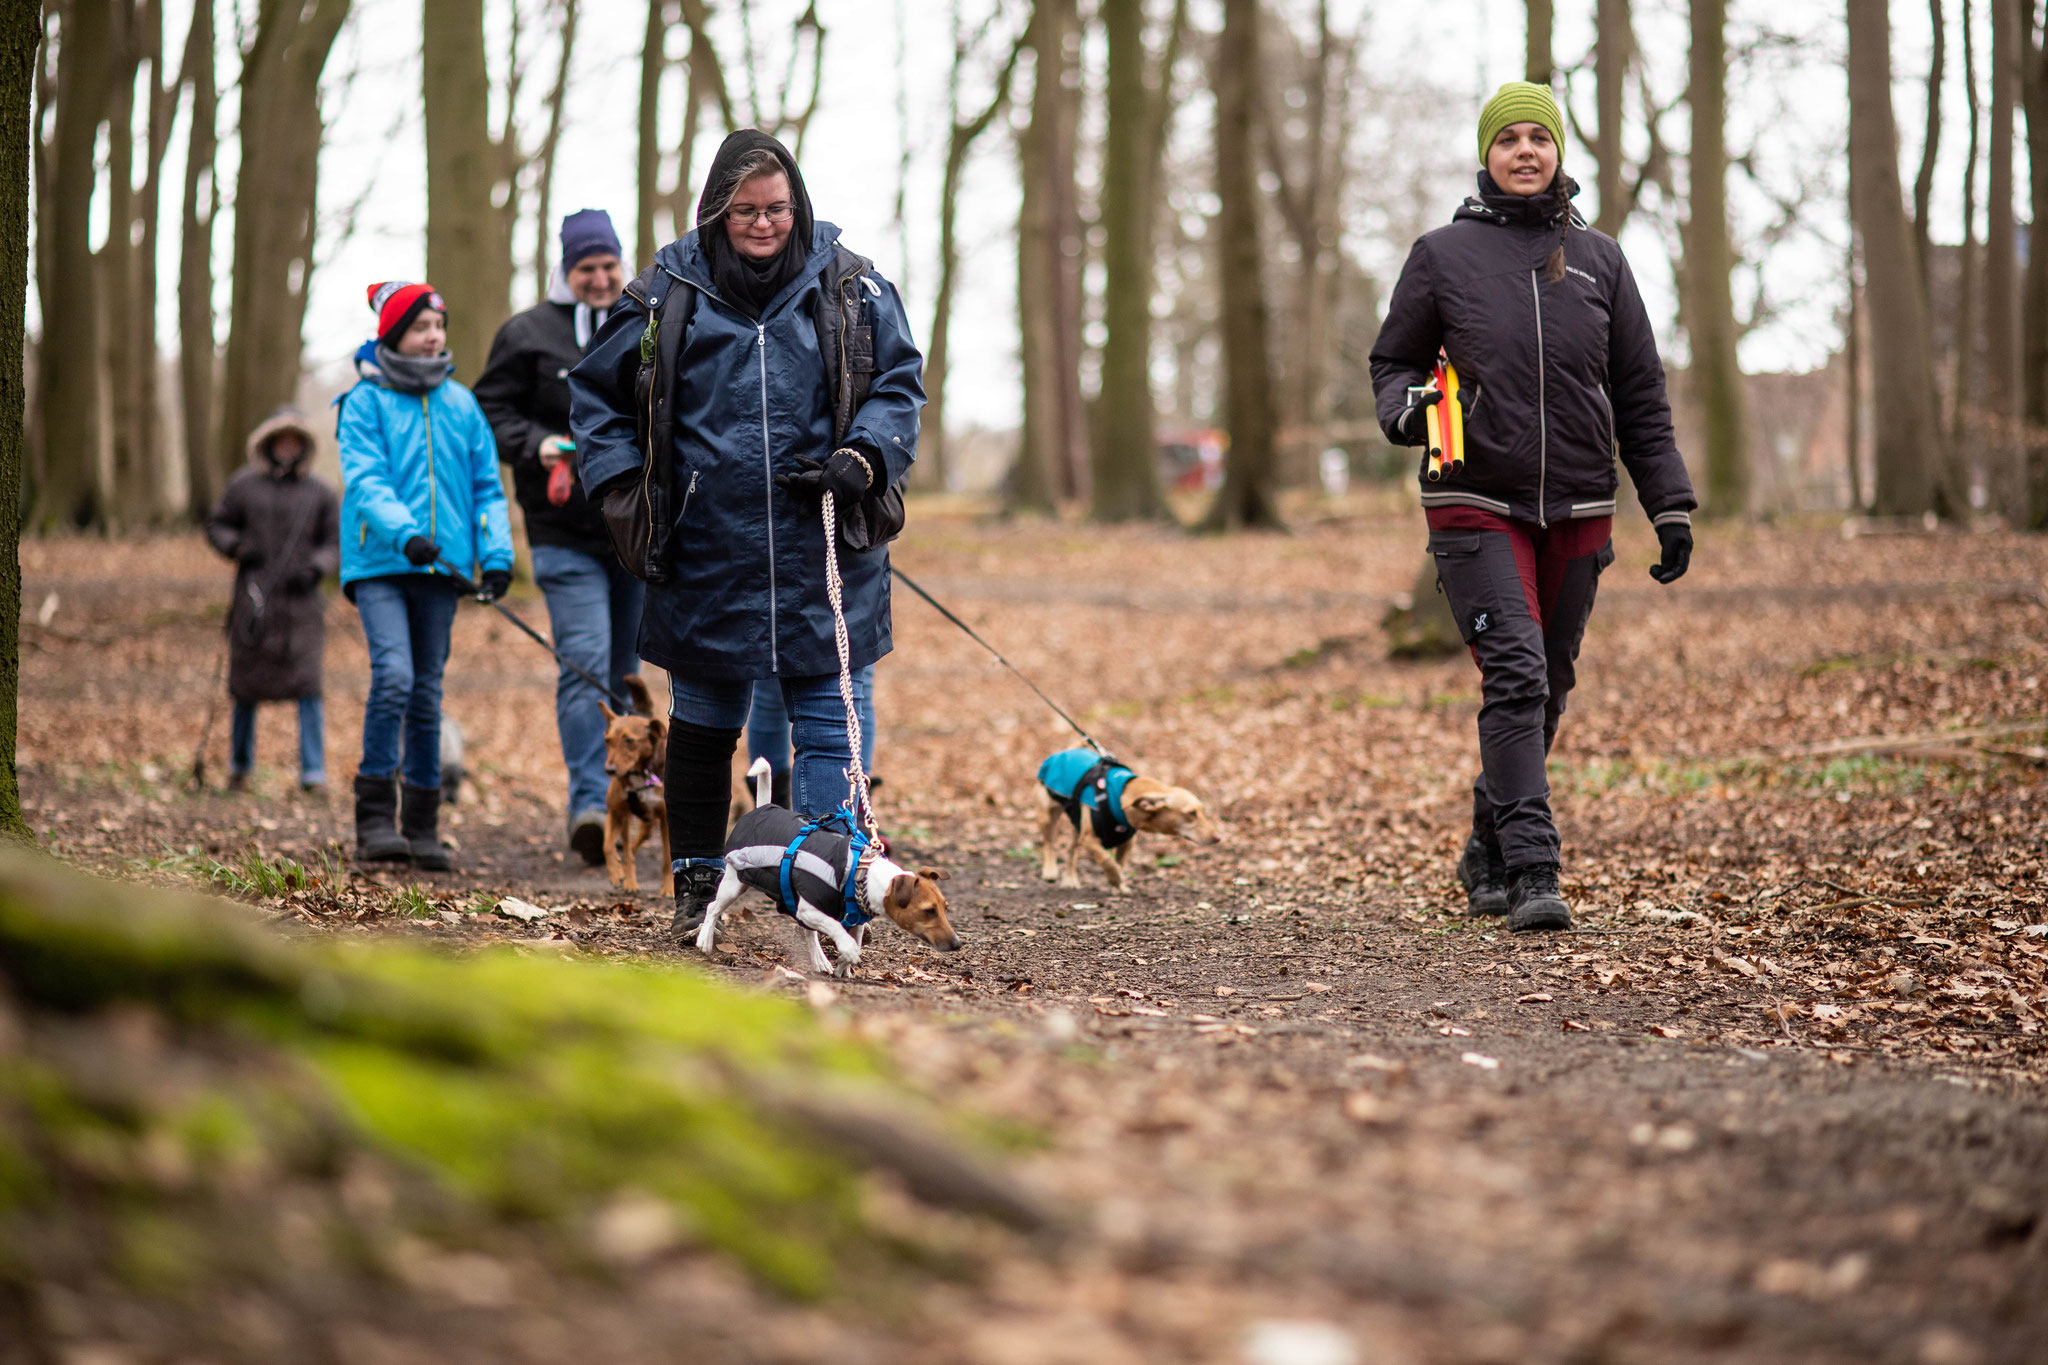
(420, 501)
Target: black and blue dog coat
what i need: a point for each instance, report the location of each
(1082, 779)
(793, 858)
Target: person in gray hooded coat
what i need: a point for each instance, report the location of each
(281, 527)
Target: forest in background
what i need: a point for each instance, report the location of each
(1210, 196)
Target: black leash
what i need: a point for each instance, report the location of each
(911, 584)
(469, 589)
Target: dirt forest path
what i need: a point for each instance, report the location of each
(1780, 1096)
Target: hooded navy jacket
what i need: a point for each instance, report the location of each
(746, 598)
(1564, 374)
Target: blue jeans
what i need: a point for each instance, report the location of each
(817, 724)
(406, 620)
(594, 615)
(768, 722)
(312, 740)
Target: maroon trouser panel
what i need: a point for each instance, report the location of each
(1522, 594)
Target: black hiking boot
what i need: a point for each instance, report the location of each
(419, 819)
(377, 836)
(586, 837)
(696, 884)
(1534, 902)
(1484, 876)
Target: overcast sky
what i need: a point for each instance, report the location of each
(1789, 105)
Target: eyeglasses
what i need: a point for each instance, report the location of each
(774, 213)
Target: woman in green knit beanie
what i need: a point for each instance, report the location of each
(1558, 377)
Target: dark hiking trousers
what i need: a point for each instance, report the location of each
(1522, 594)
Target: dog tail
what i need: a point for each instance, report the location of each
(643, 698)
(764, 782)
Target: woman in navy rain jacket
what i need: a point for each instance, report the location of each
(744, 597)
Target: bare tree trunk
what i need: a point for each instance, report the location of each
(275, 221)
(2001, 249)
(198, 352)
(1853, 356)
(2033, 56)
(20, 49)
(68, 359)
(653, 63)
(469, 250)
(1961, 438)
(163, 107)
(1908, 432)
(1125, 465)
(1537, 65)
(1034, 479)
(959, 143)
(114, 289)
(1615, 46)
(1247, 497)
(682, 200)
(544, 176)
(1717, 386)
(1930, 148)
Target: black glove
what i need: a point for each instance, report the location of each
(421, 551)
(303, 580)
(1414, 427)
(493, 584)
(843, 475)
(1675, 539)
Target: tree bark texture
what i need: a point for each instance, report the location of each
(20, 49)
(1614, 46)
(653, 63)
(1962, 438)
(1247, 497)
(1908, 432)
(198, 353)
(1125, 465)
(469, 248)
(281, 132)
(2001, 247)
(2033, 54)
(1930, 146)
(1717, 386)
(1537, 63)
(1052, 456)
(68, 359)
(114, 263)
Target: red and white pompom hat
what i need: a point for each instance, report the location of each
(397, 302)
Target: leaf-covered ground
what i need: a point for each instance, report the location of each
(1779, 1097)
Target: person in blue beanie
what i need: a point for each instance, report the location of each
(593, 603)
(420, 499)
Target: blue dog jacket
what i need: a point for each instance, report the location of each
(1078, 778)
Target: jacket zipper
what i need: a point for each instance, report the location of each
(688, 493)
(845, 365)
(767, 491)
(1608, 402)
(1542, 419)
(433, 504)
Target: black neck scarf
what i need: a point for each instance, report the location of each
(1552, 208)
(745, 283)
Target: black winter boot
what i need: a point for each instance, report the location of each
(696, 885)
(377, 836)
(419, 818)
(1534, 901)
(1484, 876)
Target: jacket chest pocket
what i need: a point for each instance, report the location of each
(1475, 571)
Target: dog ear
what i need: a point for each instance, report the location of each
(606, 707)
(934, 873)
(901, 889)
(1150, 802)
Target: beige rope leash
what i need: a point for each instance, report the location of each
(856, 774)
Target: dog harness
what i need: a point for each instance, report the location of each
(1082, 778)
(797, 860)
(635, 795)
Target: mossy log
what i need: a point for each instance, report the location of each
(170, 1071)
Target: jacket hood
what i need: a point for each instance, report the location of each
(744, 283)
(285, 419)
(1551, 209)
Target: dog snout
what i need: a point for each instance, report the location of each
(951, 945)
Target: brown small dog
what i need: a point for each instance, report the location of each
(635, 752)
(1147, 806)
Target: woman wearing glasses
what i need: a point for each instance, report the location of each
(763, 428)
